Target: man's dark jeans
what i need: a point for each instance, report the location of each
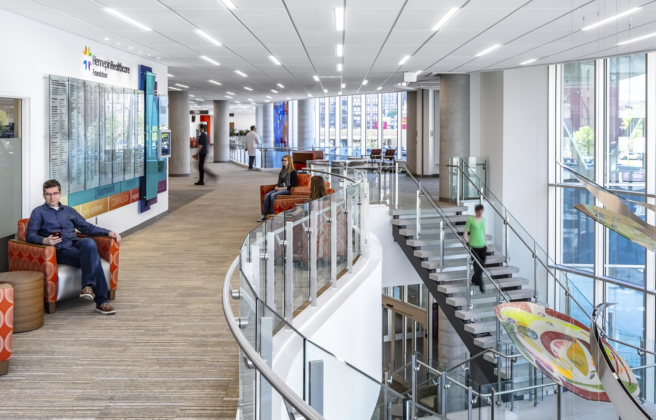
(84, 254)
(251, 161)
(201, 167)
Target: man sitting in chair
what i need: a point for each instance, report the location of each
(54, 224)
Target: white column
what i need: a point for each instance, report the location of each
(267, 132)
(221, 131)
(179, 122)
(306, 123)
(380, 120)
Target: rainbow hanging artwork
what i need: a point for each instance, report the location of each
(559, 346)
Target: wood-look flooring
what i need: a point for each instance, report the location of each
(167, 353)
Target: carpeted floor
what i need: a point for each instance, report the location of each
(168, 352)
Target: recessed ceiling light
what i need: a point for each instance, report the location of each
(343, 85)
(340, 92)
(611, 19)
(266, 100)
(159, 58)
(207, 37)
(404, 59)
(274, 60)
(216, 83)
(339, 18)
(492, 48)
(379, 88)
(172, 88)
(451, 13)
(637, 39)
(106, 39)
(325, 90)
(237, 102)
(170, 75)
(251, 100)
(118, 43)
(269, 97)
(310, 95)
(364, 82)
(274, 91)
(230, 97)
(191, 95)
(340, 50)
(209, 60)
(528, 61)
(230, 93)
(339, 67)
(229, 4)
(178, 84)
(280, 86)
(129, 48)
(289, 98)
(241, 73)
(141, 52)
(316, 78)
(126, 19)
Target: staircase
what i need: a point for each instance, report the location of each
(475, 323)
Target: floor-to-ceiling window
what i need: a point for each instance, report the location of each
(11, 146)
(332, 121)
(343, 124)
(390, 120)
(322, 122)
(372, 121)
(357, 121)
(600, 133)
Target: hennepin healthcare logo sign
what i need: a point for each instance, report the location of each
(103, 64)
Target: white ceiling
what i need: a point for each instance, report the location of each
(378, 34)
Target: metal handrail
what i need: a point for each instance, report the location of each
(331, 174)
(566, 289)
(279, 385)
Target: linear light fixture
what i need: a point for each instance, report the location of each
(229, 4)
(325, 90)
(343, 85)
(207, 37)
(126, 19)
(364, 82)
(289, 98)
(339, 67)
(247, 88)
(611, 19)
(237, 102)
(216, 83)
(251, 100)
(310, 95)
(640, 38)
(268, 97)
(274, 91)
(178, 84)
(241, 73)
(172, 88)
(404, 59)
(340, 50)
(170, 75)
(274, 60)
(229, 97)
(280, 86)
(339, 18)
(192, 96)
(266, 101)
(379, 88)
(492, 48)
(209, 60)
(528, 61)
(316, 78)
(451, 13)
(230, 93)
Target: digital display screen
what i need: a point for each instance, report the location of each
(165, 143)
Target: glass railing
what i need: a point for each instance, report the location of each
(285, 264)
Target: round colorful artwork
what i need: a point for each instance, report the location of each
(559, 346)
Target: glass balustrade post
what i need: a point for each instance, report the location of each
(469, 403)
(418, 219)
(289, 274)
(444, 394)
(559, 391)
(349, 233)
(492, 404)
(396, 185)
(313, 257)
(535, 272)
(333, 243)
(468, 282)
(506, 242)
(255, 267)
(380, 182)
(270, 261)
(441, 245)
(457, 187)
(364, 210)
(414, 379)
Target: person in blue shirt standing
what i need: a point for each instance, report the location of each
(53, 217)
(201, 155)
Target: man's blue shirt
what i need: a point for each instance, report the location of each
(45, 220)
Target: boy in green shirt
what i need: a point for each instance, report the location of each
(477, 240)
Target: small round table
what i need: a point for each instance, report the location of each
(28, 298)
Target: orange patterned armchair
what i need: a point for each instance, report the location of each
(61, 281)
(300, 192)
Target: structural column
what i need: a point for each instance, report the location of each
(221, 131)
(179, 163)
(306, 117)
(454, 125)
(267, 133)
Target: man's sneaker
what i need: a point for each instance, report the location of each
(87, 293)
(262, 219)
(105, 309)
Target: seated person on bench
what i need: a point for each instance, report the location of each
(55, 218)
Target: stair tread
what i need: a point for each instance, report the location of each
(462, 274)
(475, 313)
(489, 298)
(446, 208)
(455, 286)
(436, 241)
(435, 253)
(433, 219)
(435, 264)
(431, 231)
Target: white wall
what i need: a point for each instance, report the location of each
(36, 51)
(243, 121)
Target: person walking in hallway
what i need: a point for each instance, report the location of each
(54, 224)
(201, 155)
(477, 242)
(287, 179)
(252, 141)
